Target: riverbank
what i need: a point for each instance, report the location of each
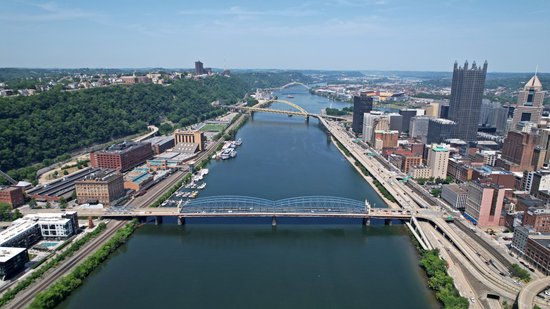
(368, 179)
(52, 263)
(56, 293)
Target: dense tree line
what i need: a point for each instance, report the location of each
(42, 127)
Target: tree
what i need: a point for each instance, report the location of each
(63, 203)
(32, 203)
(48, 205)
(5, 212)
(65, 172)
(17, 214)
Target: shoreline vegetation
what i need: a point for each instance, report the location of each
(62, 288)
(375, 184)
(37, 274)
(53, 124)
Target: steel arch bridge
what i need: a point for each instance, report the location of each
(295, 205)
(260, 106)
(294, 84)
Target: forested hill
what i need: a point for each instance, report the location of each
(42, 127)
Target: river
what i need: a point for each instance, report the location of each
(245, 263)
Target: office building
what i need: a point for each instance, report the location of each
(12, 261)
(432, 109)
(122, 157)
(13, 196)
(465, 102)
(537, 252)
(438, 157)
(538, 218)
(460, 169)
(537, 181)
(407, 114)
(385, 139)
(456, 195)
(493, 115)
(517, 152)
(530, 102)
(199, 68)
(419, 127)
(103, 187)
(484, 203)
(519, 240)
(396, 122)
(374, 121)
(418, 172)
(361, 104)
(439, 130)
(192, 137)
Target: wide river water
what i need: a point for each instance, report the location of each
(245, 263)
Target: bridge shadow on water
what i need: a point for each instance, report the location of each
(286, 221)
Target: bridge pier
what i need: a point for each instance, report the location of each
(387, 222)
(366, 221)
(307, 119)
(158, 220)
(273, 221)
(181, 220)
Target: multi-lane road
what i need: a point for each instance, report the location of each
(474, 257)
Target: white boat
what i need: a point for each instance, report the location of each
(239, 142)
(233, 153)
(202, 186)
(205, 171)
(226, 154)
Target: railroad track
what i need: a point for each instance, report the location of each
(492, 251)
(27, 295)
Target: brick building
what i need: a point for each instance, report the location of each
(12, 195)
(122, 157)
(104, 187)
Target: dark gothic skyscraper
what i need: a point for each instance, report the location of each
(466, 96)
(361, 104)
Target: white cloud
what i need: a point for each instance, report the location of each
(239, 12)
(49, 11)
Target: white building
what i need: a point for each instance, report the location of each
(55, 225)
(438, 160)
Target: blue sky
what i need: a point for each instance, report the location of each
(326, 34)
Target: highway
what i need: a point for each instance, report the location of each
(529, 293)
(25, 297)
(411, 199)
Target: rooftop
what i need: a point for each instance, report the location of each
(159, 140)
(7, 253)
(16, 228)
(101, 175)
(124, 147)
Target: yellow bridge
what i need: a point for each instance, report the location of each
(299, 111)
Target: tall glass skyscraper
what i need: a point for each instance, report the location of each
(466, 95)
(361, 104)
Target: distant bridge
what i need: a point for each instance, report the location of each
(294, 84)
(298, 110)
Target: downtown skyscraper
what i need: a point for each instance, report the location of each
(466, 96)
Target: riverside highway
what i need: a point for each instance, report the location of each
(408, 199)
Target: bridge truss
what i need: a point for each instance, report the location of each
(254, 205)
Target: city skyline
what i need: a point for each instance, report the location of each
(328, 35)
